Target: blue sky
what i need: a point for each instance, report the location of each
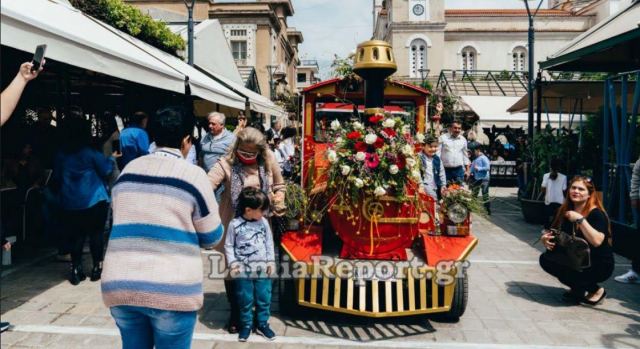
(337, 26)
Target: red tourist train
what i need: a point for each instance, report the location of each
(377, 256)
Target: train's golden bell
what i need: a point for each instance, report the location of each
(374, 55)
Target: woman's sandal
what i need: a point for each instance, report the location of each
(596, 302)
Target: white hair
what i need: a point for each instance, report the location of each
(214, 114)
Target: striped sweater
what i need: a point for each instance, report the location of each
(164, 210)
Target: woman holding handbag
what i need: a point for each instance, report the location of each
(250, 163)
(582, 212)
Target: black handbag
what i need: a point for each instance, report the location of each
(570, 251)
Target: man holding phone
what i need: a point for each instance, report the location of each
(11, 95)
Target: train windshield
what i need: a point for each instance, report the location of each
(325, 113)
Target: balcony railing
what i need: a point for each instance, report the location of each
(309, 63)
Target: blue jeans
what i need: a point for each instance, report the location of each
(454, 174)
(484, 185)
(248, 292)
(142, 327)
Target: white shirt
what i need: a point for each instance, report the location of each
(453, 151)
(554, 188)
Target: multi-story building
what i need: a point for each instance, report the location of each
(264, 47)
(426, 36)
(308, 73)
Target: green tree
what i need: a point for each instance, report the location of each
(131, 21)
(342, 67)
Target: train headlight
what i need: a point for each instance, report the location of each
(457, 213)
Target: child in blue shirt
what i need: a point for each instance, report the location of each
(480, 176)
(250, 255)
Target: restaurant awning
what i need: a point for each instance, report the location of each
(257, 102)
(79, 40)
(492, 110)
(612, 45)
(565, 97)
(213, 56)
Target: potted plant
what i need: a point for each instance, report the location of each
(295, 201)
(457, 205)
(548, 144)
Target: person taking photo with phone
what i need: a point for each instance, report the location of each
(11, 95)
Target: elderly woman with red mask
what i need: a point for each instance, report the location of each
(250, 163)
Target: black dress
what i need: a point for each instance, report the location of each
(602, 262)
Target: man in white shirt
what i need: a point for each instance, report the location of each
(554, 186)
(454, 154)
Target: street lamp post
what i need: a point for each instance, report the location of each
(424, 73)
(530, 78)
(190, 4)
(272, 70)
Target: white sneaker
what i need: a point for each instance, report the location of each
(630, 277)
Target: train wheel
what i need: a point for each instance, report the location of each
(460, 299)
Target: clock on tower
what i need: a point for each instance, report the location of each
(418, 10)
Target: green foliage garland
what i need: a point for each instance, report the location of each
(131, 21)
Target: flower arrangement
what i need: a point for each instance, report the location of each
(459, 202)
(376, 158)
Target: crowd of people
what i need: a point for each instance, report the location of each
(166, 194)
(162, 197)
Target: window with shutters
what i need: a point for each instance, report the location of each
(417, 58)
(469, 58)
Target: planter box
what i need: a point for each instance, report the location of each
(533, 211)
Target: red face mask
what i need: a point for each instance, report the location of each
(247, 161)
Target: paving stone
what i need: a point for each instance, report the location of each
(509, 303)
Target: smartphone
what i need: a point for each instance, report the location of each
(115, 145)
(38, 57)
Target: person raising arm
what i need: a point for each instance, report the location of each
(11, 94)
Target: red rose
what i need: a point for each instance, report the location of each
(379, 143)
(376, 118)
(360, 146)
(390, 132)
(401, 161)
(354, 135)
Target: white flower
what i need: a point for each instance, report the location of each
(411, 162)
(393, 169)
(370, 138)
(379, 191)
(420, 137)
(407, 149)
(338, 140)
(416, 174)
(345, 170)
(332, 156)
(335, 125)
(406, 129)
(360, 156)
(359, 183)
(389, 123)
(357, 125)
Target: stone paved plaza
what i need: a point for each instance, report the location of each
(512, 304)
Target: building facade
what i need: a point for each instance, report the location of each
(264, 47)
(308, 74)
(428, 38)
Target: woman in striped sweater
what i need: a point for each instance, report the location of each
(164, 211)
